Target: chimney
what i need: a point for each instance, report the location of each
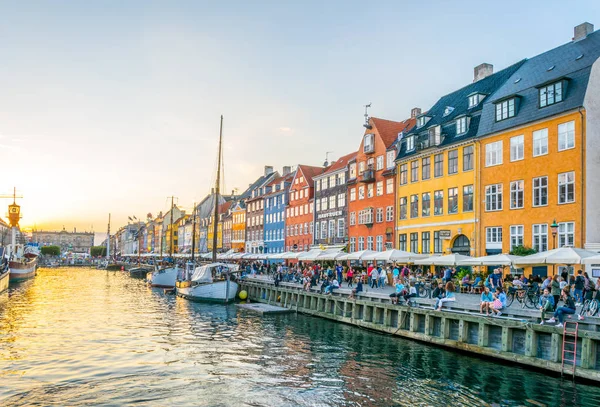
(268, 170)
(582, 30)
(414, 112)
(482, 71)
(287, 170)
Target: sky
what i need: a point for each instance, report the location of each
(114, 106)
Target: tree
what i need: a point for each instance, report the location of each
(522, 251)
(50, 250)
(98, 251)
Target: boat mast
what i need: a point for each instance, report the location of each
(193, 231)
(171, 231)
(216, 197)
(108, 239)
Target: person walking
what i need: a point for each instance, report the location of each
(382, 277)
(349, 277)
(374, 278)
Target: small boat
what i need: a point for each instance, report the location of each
(215, 282)
(164, 278)
(4, 275)
(23, 262)
(140, 271)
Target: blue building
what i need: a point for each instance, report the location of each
(276, 201)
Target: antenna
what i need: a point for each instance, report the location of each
(326, 163)
(367, 125)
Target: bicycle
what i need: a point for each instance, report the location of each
(516, 293)
(590, 306)
(532, 298)
(423, 289)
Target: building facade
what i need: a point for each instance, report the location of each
(238, 226)
(371, 185)
(299, 213)
(331, 203)
(255, 239)
(77, 242)
(275, 211)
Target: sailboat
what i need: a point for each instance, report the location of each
(215, 282)
(167, 276)
(22, 259)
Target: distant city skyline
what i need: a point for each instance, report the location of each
(111, 108)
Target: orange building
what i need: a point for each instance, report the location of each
(299, 213)
(371, 182)
(238, 226)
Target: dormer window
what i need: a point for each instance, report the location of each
(505, 109)
(410, 143)
(369, 143)
(435, 135)
(474, 99)
(448, 110)
(551, 94)
(461, 125)
(421, 121)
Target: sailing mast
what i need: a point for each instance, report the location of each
(193, 231)
(108, 239)
(216, 196)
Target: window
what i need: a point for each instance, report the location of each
(566, 136)
(403, 174)
(379, 215)
(517, 148)
(426, 204)
(540, 237)
(370, 190)
(473, 100)
(324, 204)
(379, 188)
(493, 234)
(352, 218)
(380, 163)
(332, 181)
(341, 178)
(540, 142)
(566, 234)
(566, 187)
(505, 109)
(402, 241)
(414, 171)
(516, 194)
(438, 203)
(438, 165)
(414, 242)
(361, 167)
(516, 236)
(301, 210)
(352, 244)
(437, 242)
(389, 214)
(352, 195)
(550, 94)
(414, 206)
(435, 134)
(426, 168)
(306, 228)
(493, 197)
(369, 242)
(379, 243)
(361, 243)
(324, 230)
(452, 200)
(425, 242)
(361, 192)
(352, 171)
(452, 161)
(331, 233)
(467, 158)
(402, 205)
(365, 217)
(389, 186)
(341, 200)
(468, 198)
(493, 153)
(540, 191)
(461, 125)
(390, 157)
(410, 143)
(369, 145)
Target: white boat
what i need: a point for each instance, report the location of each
(164, 278)
(4, 275)
(22, 262)
(215, 282)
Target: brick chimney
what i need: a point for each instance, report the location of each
(287, 170)
(414, 112)
(482, 71)
(582, 30)
(268, 170)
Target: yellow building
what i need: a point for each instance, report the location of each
(223, 209)
(437, 168)
(238, 228)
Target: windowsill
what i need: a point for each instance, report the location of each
(566, 149)
(566, 203)
(518, 159)
(469, 211)
(540, 155)
(516, 209)
(538, 206)
(493, 210)
(492, 165)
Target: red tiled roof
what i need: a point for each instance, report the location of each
(340, 163)
(388, 130)
(310, 172)
(282, 178)
(224, 207)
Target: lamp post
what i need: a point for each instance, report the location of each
(554, 229)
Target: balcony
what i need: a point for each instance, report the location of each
(368, 176)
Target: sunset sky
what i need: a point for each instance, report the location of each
(112, 106)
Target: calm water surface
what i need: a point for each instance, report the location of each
(89, 337)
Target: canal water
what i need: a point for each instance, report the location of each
(74, 337)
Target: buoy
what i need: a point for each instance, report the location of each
(122, 268)
(243, 295)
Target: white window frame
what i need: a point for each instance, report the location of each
(493, 193)
(461, 125)
(361, 192)
(540, 142)
(516, 236)
(389, 186)
(389, 214)
(539, 237)
(390, 157)
(379, 163)
(352, 194)
(566, 136)
(352, 218)
(341, 226)
(379, 215)
(537, 191)
(564, 183)
(566, 234)
(493, 234)
(505, 109)
(517, 188)
(379, 191)
(379, 243)
(341, 200)
(493, 153)
(517, 148)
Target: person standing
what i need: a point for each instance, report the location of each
(374, 278)
(579, 284)
(338, 270)
(555, 290)
(382, 277)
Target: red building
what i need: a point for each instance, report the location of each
(371, 185)
(299, 213)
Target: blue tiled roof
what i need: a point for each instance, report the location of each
(458, 101)
(534, 72)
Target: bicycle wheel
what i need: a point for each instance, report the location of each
(531, 300)
(510, 299)
(593, 309)
(521, 298)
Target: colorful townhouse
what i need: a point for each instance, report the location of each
(275, 210)
(210, 232)
(227, 228)
(204, 212)
(299, 214)
(238, 226)
(331, 204)
(371, 182)
(437, 165)
(255, 214)
(184, 234)
(540, 141)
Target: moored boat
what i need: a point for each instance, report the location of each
(4, 275)
(164, 278)
(23, 262)
(215, 282)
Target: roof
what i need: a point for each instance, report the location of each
(456, 104)
(310, 172)
(535, 72)
(286, 178)
(224, 207)
(341, 163)
(388, 130)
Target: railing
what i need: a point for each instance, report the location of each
(368, 176)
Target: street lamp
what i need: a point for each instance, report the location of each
(554, 229)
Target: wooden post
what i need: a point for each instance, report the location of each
(483, 337)
(507, 339)
(530, 343)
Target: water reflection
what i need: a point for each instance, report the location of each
(77, 336)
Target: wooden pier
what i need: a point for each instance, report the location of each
(509, 339)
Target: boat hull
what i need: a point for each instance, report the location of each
(22, 271)
(4, 277)
(165, 278)
(210, 292)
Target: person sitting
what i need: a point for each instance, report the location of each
(517, 283)
(324, 285)
(547, 283)
(499, 302)
(448, 296)
(359, 287)
(560, 312)
(476, 283)
(412, 292)
(438, 292)
(398, 293)
(466, 282)
(486, 301)
(334, 284)
(546, 303)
